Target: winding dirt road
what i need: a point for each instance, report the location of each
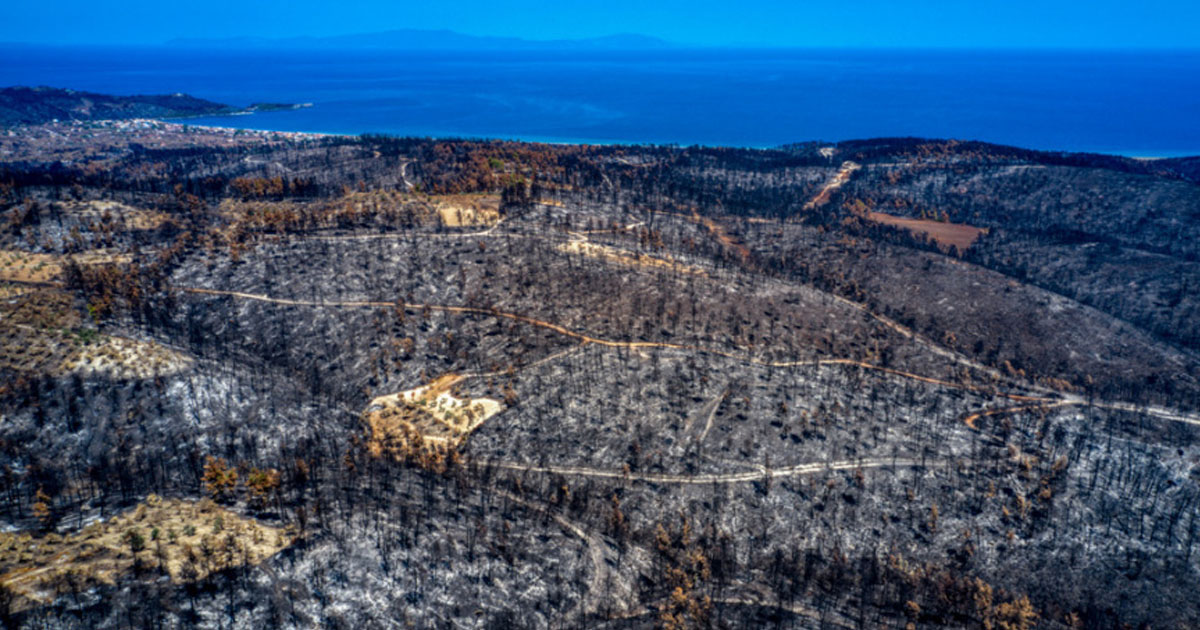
(1072, 400)
(602, 573)
(839, 180)
(1059, 399)
(725, 478)
(589, 339)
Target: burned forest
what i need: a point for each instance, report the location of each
(258, 379)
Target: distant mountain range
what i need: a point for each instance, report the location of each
(34, 105)
(416, 39)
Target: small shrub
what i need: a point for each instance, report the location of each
(135, 540)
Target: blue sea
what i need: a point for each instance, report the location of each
(1131, 103)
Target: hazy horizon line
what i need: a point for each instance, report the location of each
(674, 47)
(295, 42)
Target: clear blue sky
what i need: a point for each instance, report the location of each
(882, 23)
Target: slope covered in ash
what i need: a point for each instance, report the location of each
(510, 385)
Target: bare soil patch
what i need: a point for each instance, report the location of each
(629, 259)
(131, 217)
(185, 539)
(42, 332)
(959, 235)
(21, 266)
(430, 418)
(467, 210)
(125, 358)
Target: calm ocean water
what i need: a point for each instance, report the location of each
(1144, 104)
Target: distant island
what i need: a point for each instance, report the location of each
(35, 105)
(418, 39)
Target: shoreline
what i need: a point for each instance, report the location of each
(180, 124)
(245, 111)
(1140, 155)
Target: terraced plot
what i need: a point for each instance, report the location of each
(186, 540)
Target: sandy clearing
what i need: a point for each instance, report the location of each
(429, 416)
(30, 267)
(173, 532)
(120, 357)
(133, 218)
(467, 210)
(627, 258)
(958, 235)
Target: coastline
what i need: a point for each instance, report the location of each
(1133, 154)
(731, 99)
(180, 125)
(245, 111)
